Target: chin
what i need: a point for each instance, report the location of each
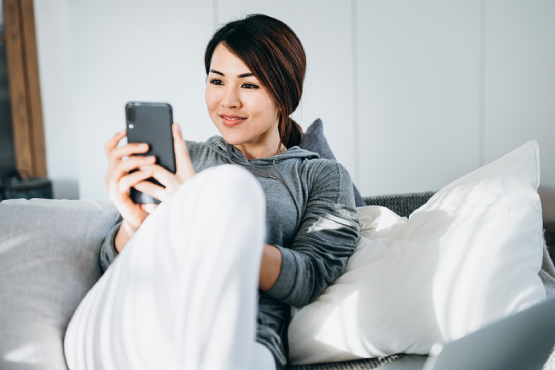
(239, 135)
(234, 138)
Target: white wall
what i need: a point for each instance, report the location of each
(412, 94)
(519, 84)
(419, 84)
(56, 83)
(135, 50)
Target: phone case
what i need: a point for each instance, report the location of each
(151, 123)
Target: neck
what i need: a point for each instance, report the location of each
(266, 145)
(264, 150)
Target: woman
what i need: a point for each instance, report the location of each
(206, 281)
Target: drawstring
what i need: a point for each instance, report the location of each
(259, 172)
(254, 170)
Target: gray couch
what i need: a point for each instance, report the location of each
(49, 260)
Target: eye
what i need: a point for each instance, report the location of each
(215, 81)
(250, 86)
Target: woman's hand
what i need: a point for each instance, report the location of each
(171, 181)
(119, 180)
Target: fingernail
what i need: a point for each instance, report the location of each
(150, 158)
(143, 146)
(178, 127)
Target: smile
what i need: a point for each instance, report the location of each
(231, 121)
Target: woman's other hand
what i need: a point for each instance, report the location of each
(171, 181)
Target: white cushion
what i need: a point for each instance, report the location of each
(468, 257)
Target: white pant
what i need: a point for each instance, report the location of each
(183, 294)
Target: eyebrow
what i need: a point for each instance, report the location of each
(240, 76)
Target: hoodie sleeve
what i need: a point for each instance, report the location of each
(108, 252)
(326, 239)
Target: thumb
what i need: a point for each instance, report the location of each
(183, 162)
(150, 207)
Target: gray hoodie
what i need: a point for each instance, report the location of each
(310, 216)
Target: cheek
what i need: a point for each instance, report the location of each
(268, 103)
(211, 98)
(261, 106)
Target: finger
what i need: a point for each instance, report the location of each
(165, 177)
(182, 158)
(121, 168)
(126, 182)
(127, 150)
(113, 142)
(149, 207)
(134, 162)
(155, 191)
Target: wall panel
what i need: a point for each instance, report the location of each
(520, 84)
(419, 93)
(56, 84)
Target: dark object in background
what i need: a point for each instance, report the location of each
(16, 185)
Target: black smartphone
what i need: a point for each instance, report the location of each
(151, 123)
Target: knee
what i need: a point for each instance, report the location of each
(235, 182)
(226, 186)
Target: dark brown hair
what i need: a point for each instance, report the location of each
(275, 55)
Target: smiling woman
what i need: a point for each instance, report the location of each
(240, 107)
(262, 53)
(206, 280)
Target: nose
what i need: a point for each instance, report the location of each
(231, 99)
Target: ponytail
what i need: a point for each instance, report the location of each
(291, 134)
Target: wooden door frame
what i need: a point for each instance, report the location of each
(23, 79)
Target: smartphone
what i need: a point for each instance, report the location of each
(151, 123)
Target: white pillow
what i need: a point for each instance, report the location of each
(469, 256)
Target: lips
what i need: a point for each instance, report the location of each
(231, 120)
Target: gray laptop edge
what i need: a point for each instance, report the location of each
(522, 341)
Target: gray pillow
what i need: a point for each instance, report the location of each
(49, 259)
(315, 141)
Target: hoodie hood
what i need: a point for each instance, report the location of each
(239, 158)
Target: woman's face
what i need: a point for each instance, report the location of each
(237, 103)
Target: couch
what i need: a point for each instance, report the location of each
(32, 324)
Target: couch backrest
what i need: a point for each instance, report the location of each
(402, 204)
